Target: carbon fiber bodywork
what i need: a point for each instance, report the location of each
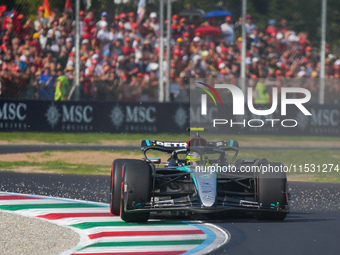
(177, 186)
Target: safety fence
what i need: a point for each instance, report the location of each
(119, 44)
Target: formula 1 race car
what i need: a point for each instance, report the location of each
(197, 178)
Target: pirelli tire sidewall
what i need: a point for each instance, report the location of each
(271, 192)
(137, 181)
(116, 182)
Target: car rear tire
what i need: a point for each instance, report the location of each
(271, 191)
(116, 182)
(137, 190)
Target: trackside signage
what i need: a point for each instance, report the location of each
(119, 117)
(94, 116)
(70, 117)
(134, 118)
(13, 116)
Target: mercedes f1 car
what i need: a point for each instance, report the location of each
(197, 177)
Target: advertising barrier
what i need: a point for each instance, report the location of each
(74, 116)
(122, 117)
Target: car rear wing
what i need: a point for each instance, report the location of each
(226, 145)
(167, 147)
(230, 145)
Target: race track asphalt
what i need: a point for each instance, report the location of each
(312, 227)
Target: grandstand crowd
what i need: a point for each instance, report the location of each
(119, 55)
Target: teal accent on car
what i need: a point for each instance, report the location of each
(147, 142)
(184, 168)
(231, 144)
(188, 170)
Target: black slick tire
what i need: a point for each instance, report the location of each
(115, 186)
(271, 189)
(137, 190)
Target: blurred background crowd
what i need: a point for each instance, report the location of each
(119, 54)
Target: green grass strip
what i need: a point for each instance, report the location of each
(45, 206)
(87, 225)
(146, 243)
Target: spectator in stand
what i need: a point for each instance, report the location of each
(22, 77)
(81, 20)
(131, 17)
(85, 47)
(175, 27)
(228, 31)
(93, 39)
(15, 44)
(116, 21)
(336, 67)
(5, 44)
(62, 59)
(103, 36)
(21, 27)
(69, 44)
(3, 9)
(8, 57)
(54, 34)
(71, 59)
(46, 84)
(83, 60)
(179, 47)
(35, 44)
(131, 66)
(103, 17)
(43, 40)
(6, 82)
(132, 89)
(249, 24)
(104, 62)
(133, 33)
(154, 24)
(66, 22)
(118, 48)
(127, 47)
(174, 87)
(85, 85)
(24, 62)
(32, 91)
(41, 21)
(144, 63)
(183, 26)
(37, 61)
(196, 46)
(186, 41)
(146, 30)
(151, 85)
(10, 31)
(254, 67)
(62, 88)
(121, 33)
(89, 21)
(122, 19)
